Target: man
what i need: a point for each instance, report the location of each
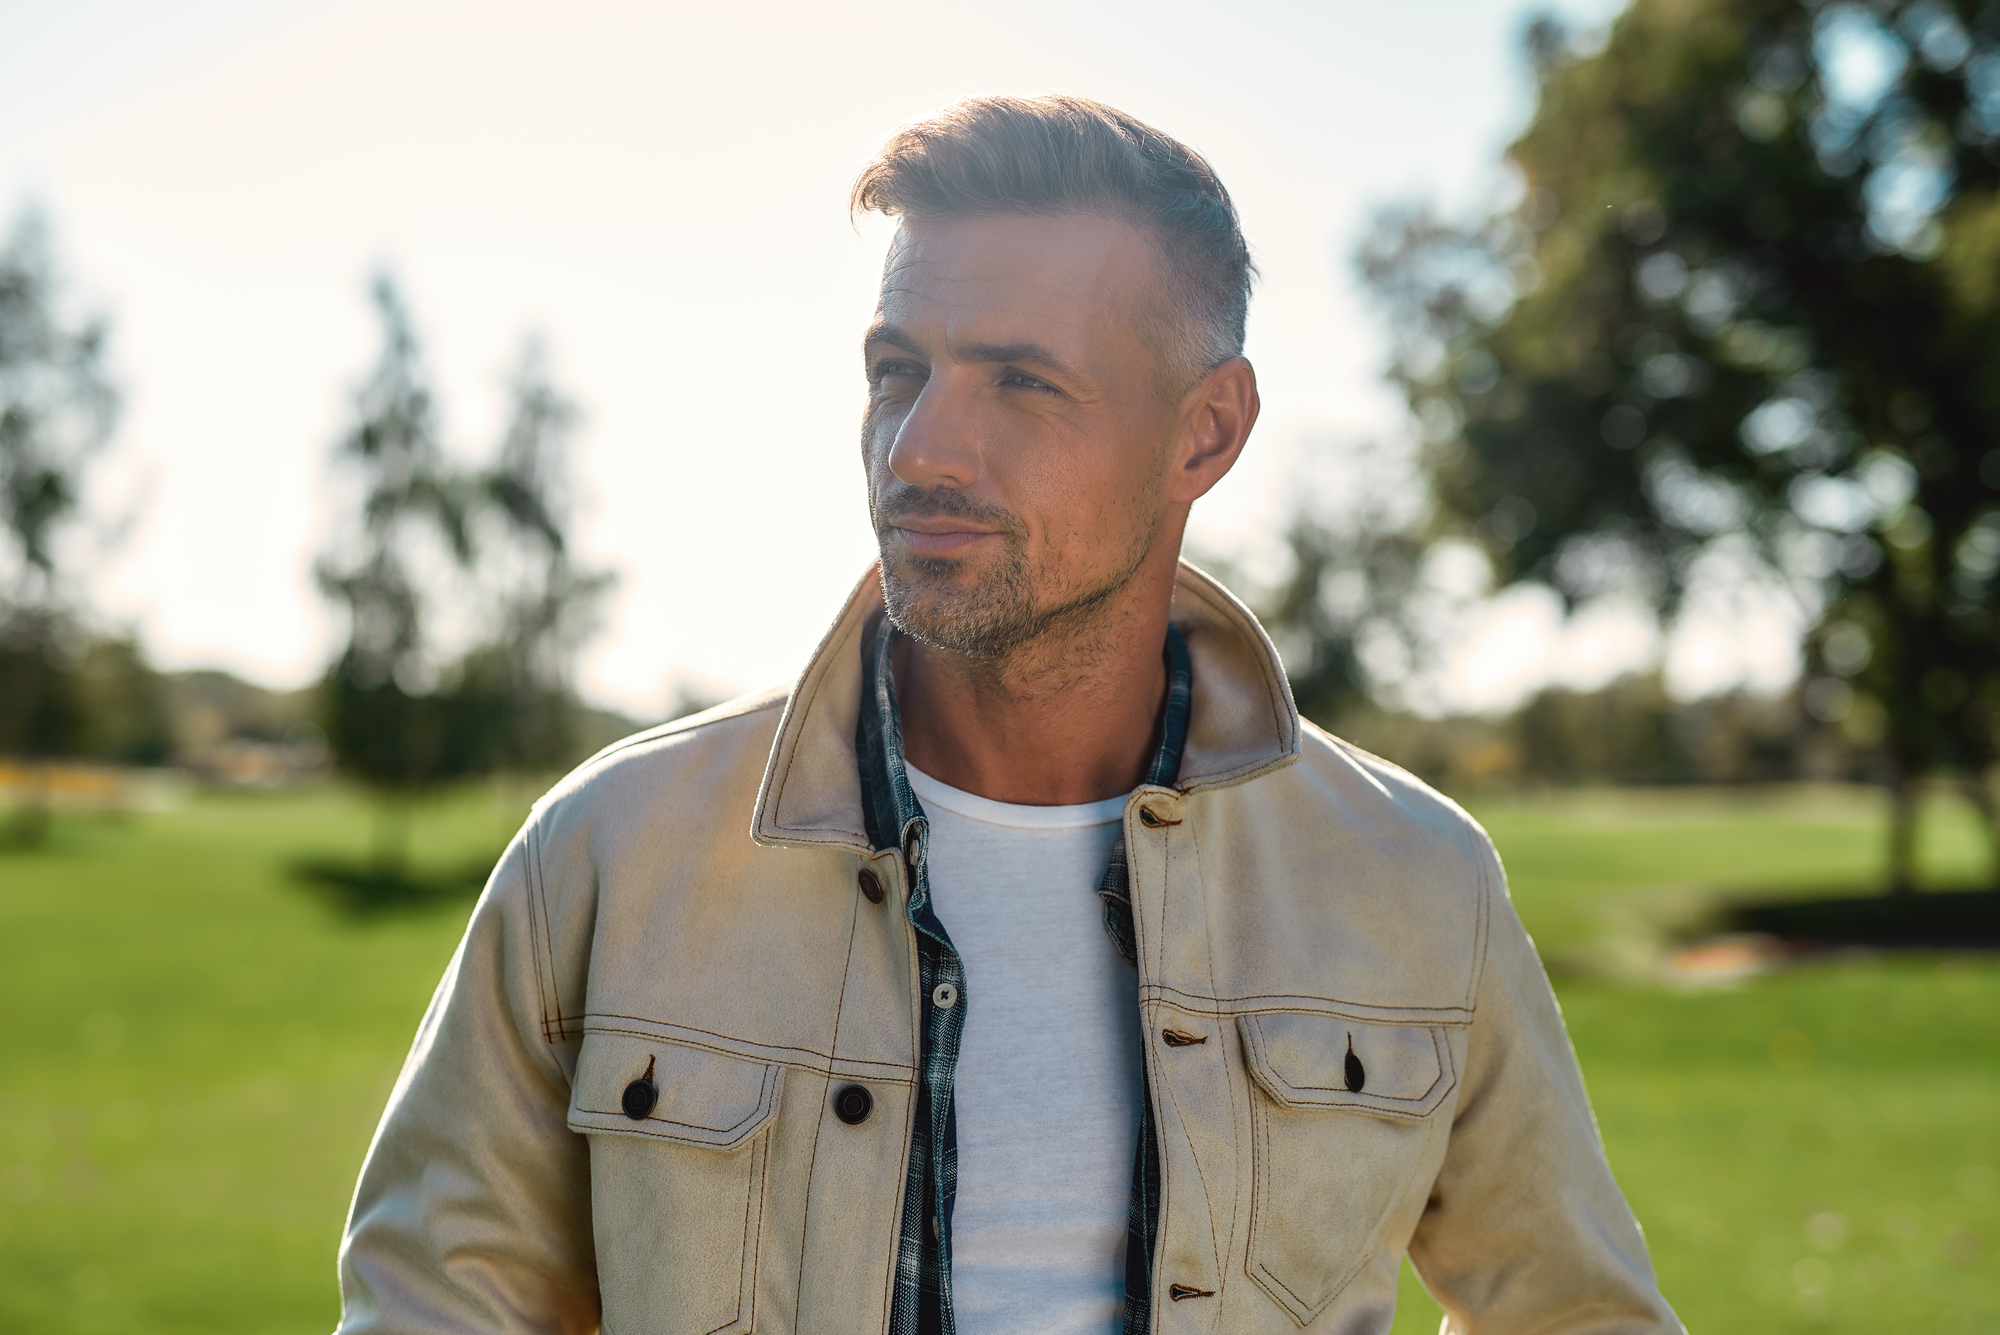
(1029, 965)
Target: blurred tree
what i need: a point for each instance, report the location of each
(387, 721)
(1349, 589)
(440, 555)
(57, 411)
(543, 603)
(1746, 313)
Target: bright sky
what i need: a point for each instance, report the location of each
(661, 189)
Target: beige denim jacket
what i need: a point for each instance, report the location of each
(699, 906)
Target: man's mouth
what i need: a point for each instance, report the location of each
(938, 535)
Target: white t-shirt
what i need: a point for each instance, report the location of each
(1049, 1068)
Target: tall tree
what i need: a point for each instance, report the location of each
(57, 411)
(465, 603)
(1749, 303)
(387, 723)
(541, 602)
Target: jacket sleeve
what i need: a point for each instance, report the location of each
(473, 1208)
(1525, 1230)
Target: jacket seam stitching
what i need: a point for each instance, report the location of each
(812, 688)
(1304, 1009)
(1483, 928)
(827, 1058)
(681, 727)
(1228, 1077)
(819, 1123)
(541, 944)
(1201, 1178)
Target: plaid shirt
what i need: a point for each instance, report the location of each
(922, 1301)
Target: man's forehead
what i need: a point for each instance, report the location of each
(1076, 268)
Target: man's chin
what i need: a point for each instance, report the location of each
(943, 614)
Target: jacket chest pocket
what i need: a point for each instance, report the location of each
(677, 1190)
(1342, 1115)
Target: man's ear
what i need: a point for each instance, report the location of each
(1216, 418)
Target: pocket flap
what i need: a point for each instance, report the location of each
(704, 1097)
(1302, 1062)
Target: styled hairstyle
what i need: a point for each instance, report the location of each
(1053, 155)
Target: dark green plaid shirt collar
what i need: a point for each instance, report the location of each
(921, 1303)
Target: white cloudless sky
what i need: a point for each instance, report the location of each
(660, 190)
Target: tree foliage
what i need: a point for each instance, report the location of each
(464, 605)
(1749, 303)
(57, 411)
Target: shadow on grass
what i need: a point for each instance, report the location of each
(1936, 920)
(370, 890)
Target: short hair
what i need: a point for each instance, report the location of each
(1053, 155)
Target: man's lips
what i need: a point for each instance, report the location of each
(939, 537)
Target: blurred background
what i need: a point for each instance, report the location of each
(400, 401)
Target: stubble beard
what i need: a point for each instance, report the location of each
(996, 615)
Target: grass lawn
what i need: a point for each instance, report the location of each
(199, 1049)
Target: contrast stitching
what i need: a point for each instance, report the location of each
(536, 937)
(677, 727)
(762, 1110)
(826, 1057)
(746, 1276)
(1228, 1076)
(1199, 1176)
(819, 1123)
(1304, 1006)
(1371, 1012)
(811, 689)
(752, 1258)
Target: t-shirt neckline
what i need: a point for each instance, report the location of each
(936, 793)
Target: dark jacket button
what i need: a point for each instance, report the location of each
(640, 1096)
(852, 1104)
(871, 886)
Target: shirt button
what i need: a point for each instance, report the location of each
(944, 996)
(871, 885)
(852, 1104)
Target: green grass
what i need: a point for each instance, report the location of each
(198, 1051)
(198, 1048)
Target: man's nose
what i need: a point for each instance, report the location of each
(937, 445)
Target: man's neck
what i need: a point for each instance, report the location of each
(1069, 717)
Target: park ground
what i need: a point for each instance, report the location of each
(199, 1042)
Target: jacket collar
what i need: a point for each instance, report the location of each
(1243, 720)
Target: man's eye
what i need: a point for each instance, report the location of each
(1022, 380)
(890, 369)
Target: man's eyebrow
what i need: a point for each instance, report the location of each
(892, 335)
(1032, 354)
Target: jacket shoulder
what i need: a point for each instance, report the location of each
(1392, 799)
(634, 767)
(1386, 787)
(1393, 877)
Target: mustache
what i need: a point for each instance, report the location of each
(901, 500)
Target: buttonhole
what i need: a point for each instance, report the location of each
(1178, 1038)
(1180, 1291)
(1153, 820)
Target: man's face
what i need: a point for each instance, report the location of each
(1016, 438)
